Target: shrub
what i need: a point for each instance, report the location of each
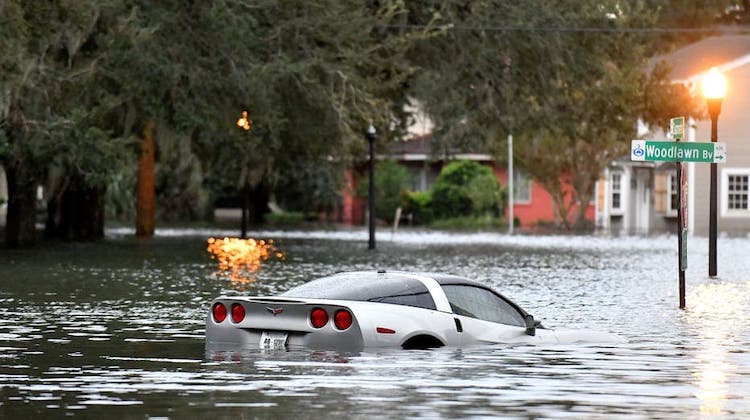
(483, 222)
(391, 180)
(287, 218)
(419, 205)
(465, 188)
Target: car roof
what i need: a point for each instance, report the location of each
(441, 278)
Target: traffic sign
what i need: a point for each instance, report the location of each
(671, 151)
(677, 128)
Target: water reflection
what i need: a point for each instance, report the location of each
(241, 259)
(116, 328)
(714, 313)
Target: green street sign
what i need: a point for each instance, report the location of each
(677, 128)
(672, 151)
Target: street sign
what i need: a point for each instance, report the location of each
(671, 151)
(677, 128)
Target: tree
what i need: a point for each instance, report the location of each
(50, 117)
(391, 182)
(570, 98)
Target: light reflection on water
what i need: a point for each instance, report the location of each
(241, 259)
(117, 328)
(716, 312)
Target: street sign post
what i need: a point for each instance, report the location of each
(680, 152)
(677, 128)
(672, 151)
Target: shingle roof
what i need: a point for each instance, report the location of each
(414, 145)
(698, 57)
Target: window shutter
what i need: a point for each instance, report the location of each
(660, 192)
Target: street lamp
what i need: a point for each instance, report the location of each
(371, 135)
(245, 124)
(714, 89)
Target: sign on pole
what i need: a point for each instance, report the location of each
(672, 151)
(677, 128)
(682, 228)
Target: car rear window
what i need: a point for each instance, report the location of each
(396, 289)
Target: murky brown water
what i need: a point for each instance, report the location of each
(116, 328)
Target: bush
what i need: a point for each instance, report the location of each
(465, 188)
(419, 205)
(391, 180)
(288, 218)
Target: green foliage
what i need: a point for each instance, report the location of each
(570, 98)
(419, 205)
(289, 219)
(305, 186)
(179, 178)
(119, 199)
(79, 79)
(465, 188)
(391, 181)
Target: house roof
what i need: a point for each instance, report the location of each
(724, 52)
(419, 148)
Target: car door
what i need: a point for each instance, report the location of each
(486, 317)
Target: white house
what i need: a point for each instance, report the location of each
(640, 197)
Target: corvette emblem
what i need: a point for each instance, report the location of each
(274, 311)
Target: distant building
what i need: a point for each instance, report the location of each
(640, 197)
(533, 205)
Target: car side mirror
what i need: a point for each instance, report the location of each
(530, 325)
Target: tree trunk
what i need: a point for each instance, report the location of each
(76, 214)
(259, 196)
(558, 195)
(20, 228)
(145, 195)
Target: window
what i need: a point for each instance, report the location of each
(616, 193)
(480, 303)
(735, 189)
(399, 290)
(737, 195)
(521, 187)
(672, 194)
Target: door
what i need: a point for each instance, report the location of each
(642, 201)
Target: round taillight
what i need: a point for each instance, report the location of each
(342, 319)
(219, 311)
(318, 317)
(238, 312)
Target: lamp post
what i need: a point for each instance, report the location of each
(371, 135)
(246, 124)
(714, 89)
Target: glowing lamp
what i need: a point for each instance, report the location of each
(244, 122)
(714, 84)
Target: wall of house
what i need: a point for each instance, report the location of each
(352, 207)
(663, 219)
(734, 130)
(540, 209)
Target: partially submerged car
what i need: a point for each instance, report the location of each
(356, 310)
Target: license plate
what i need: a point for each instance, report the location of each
(273, 340)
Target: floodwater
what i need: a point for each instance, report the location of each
(116, 329)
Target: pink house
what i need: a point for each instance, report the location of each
(533, 206)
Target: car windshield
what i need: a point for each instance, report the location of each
(478, 302)
(367, 287)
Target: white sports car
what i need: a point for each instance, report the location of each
(357, 310)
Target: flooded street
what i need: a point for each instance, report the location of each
(117, 328)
